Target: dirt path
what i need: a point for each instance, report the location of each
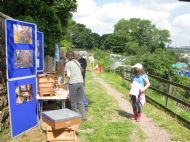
(154, 133)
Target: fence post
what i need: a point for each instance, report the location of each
(169, 92)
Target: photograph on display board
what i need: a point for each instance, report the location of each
(22, 34)
(23, 93)
(23, 58)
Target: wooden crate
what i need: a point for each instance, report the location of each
(61, 135)
(46, 89)
(42, 94)
(46, 79)
(46, 83)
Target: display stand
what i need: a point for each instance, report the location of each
(21, 40)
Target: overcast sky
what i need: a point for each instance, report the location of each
(101, 15)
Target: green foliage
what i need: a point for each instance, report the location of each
(97, 41)
(101, 58)
(113, 43)
(181, 93)
(65, 44)
(158, 63)
(51, 17)
(132, 48)
(83, 37)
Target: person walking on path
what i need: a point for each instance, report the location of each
(139, 84)
(92, 60)
(83, 64)
(75, 84)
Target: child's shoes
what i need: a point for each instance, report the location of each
(138, 117)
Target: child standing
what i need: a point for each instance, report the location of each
(139, 84)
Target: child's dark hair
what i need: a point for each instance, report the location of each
(137, 71)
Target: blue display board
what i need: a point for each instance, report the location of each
(22, 105)
(21, 39)
(21, 48)
(40, 52)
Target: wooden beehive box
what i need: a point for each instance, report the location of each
(46, 83)
(61, 118)
(61, 135)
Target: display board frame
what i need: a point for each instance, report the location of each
(40, 52)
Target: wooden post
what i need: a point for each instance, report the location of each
(169, 92)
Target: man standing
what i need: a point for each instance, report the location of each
(75, 84)
(83, 64)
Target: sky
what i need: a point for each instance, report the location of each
(101, 15)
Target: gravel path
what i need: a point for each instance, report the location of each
(153, 132)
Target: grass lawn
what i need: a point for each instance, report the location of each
(34, 135)
(162, 119)
(105, 121)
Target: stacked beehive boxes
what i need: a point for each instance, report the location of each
(46, 83)
(61, 125)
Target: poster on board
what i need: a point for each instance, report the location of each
(40, 52)
(21, 49)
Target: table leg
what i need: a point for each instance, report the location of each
(63, 104)
(41, 109)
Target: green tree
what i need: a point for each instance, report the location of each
(142, 35)
(97, 39)
(113, 43)
(51, 17)
(83, 37)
